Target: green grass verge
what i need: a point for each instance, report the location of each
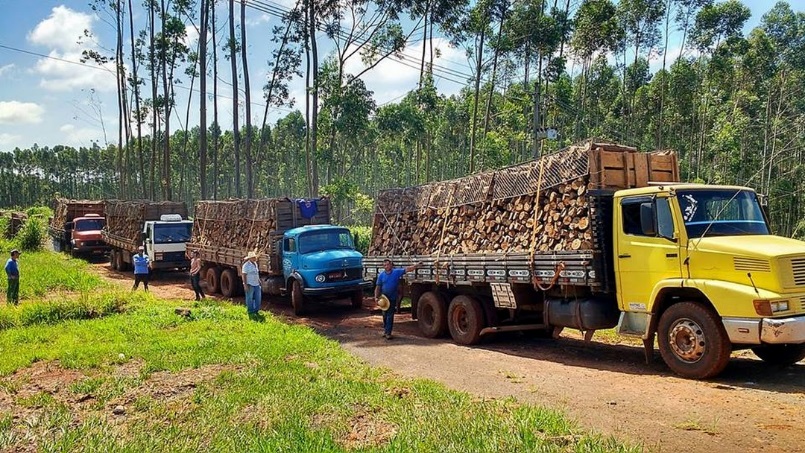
(143, 378)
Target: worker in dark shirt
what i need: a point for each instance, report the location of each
(13, 273)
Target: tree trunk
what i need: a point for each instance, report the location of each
(479, 50)
(154, 104)
(247, 145)
(202, 114)
(235, 113)
(494, 72)
(138, 118)
(166, 154)
(314, 190)
(217, 130)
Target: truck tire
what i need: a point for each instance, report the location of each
(229, 283)
(465, 319)
(780, 354)
(357, 299)
(121, 263)
(693, 342)
(214, 280)
(113, 260)
(297, 298)
(431, 312)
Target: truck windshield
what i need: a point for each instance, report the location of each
(325, 240)
(721, 212)
(88, 225)
(171, 232)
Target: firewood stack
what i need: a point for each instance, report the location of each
(498, 212)
(246, 224)
(126, 218)
(66, 210)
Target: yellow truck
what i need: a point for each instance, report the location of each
(694, 266)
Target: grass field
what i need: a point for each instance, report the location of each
(118, 371)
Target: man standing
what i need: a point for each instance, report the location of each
(387, 283)
(251, 283)
(195, 275)
(142, 265)
(13, 273)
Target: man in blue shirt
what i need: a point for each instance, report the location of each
(142, 264)
(387, 283)
(13, 273)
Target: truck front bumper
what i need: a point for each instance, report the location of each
(336, 290)
(766, 331)
(93, 249)
(170, 264)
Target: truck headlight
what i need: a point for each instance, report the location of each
(320, 278)
(769, 307)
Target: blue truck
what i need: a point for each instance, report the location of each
(301, 254)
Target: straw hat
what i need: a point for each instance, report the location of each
(383, 302)
(252, 254)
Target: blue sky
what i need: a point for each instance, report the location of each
(48, 99)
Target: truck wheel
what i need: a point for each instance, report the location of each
(229, 283)
(780, 354)
(214, 280)
(297, 298)
(465, 319)
(357, 299)
(431, 313)
(121, 263)
(113, 260)
(693, 342)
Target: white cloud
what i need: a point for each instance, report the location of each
(75, 136)
(191, 36)
(62, 32)
(395, 75)
(261, 19)
(14, 112)
(6, 69)
(8, 139)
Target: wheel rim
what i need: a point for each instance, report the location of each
(687, 340)
(460, 320)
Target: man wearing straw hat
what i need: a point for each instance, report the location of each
(386, 293)
(251, 283)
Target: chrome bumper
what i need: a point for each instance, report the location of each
(766, 330)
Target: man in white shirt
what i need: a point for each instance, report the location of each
(251, 283)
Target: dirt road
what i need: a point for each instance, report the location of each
(605, 387)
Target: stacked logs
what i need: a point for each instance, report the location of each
(65, 210)
(245, 224)
(126, 218)
(539, 206)
(560, 221)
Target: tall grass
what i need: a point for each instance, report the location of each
(47, 275)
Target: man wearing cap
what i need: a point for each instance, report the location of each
(251, 283)
(13, 273)
(142, 264)
(387, 283)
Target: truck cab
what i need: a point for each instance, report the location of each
(165, 239)
(321, 261)
(85, 235)
(697, 266)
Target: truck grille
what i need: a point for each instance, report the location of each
(798, 268)
(173, 257)
(345, 275)
(751, 264)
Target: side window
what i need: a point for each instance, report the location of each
(631, 216)
(290, 245)
(665, 222)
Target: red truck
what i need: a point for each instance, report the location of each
(76, 227)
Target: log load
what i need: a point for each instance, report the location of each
(540, 205)
(65, 210)
(250, 224)
(125, 218)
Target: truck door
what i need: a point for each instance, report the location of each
(644, 254)
(289, 253)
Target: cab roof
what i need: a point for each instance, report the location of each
(664, 187)
(309, 228)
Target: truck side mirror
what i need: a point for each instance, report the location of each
(647, 219)
(143, 237)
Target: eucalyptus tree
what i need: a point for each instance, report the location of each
(596, 30)
(247, 145)
(204, 21)
(232, 46)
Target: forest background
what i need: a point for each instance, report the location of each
(729, 103)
